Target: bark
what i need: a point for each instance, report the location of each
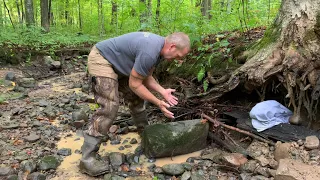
(114, 12)
(290, 52)
(143, 14)
(158, 15)
(1, 15)
(6, 7)
(45, 15)
(18, 11)
(29, 12)
(79, 15)
(101, 17)
(22, 11)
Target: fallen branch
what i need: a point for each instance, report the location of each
(215, 122)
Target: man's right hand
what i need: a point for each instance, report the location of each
(163, 107)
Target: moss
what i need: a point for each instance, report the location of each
(271, 35)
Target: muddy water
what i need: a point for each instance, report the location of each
(69, 167)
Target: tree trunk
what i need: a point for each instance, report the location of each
(79, 15)
(29, 12)
(22, 11)
(50, 15)
(289, 52)
(158, 15)
(45, 15)
(101, 19)
(143, 13)
(6, 7)
(18, 10)
(204, 7)
(66, 12)
(1, 15)
(114, 12)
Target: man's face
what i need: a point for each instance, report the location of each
(174, 53)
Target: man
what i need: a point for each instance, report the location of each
(126, 64)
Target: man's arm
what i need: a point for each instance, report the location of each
(152, 84)
(137, 86)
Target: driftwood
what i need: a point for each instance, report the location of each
(217, 123)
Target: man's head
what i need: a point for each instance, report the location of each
(176, 46)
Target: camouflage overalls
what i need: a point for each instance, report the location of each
(105, 85)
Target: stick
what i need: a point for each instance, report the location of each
(214, 121)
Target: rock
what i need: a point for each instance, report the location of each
(257, 148)
(263, 160)
(113, 128)
(133, 141)
(234, 159)
(187, 166)
(55, 65)
(282, 151)
(79, 115)
(5, 171)
(112, 177)
(198, 175)
(10, 76)
(36, 176)
(43, 103)
(312, 142)
(27, 82)
(116, 158)
(33, 137)
(174, 138)
(12, 177)
(28, 165)
(10, 126)
(186, 175)
(250, 166)
(290, 169)
(259, 177)
(79, 124)
(64, 152)
(48, 162)
(173, 169)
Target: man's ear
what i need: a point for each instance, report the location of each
(172, 46)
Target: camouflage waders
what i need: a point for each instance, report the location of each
(106, 87)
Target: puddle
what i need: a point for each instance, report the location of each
(69, 166)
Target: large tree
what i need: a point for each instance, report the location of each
(45, 15)
(29, 12)
(289, 54)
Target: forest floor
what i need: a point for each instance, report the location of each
(41, 133)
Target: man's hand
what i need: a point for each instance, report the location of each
(167, 95)
(163, 107)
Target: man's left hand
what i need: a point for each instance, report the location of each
(171, 99)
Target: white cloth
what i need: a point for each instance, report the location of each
(267, 114)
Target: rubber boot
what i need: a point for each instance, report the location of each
(140, 120)
(88, 163)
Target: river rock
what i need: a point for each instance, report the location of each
(174, 138)
(48, 162)
(64, 152)
(282, 151)
(112, 177)
(290, 169)
(173, 169)
(312, 142)
(28, 165)
(116, 158)
(27, 82)
(79, 115)
(10, 76)
(5, 171)
(36, 176)
(33, 137)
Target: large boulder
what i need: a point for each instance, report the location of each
(174, 138)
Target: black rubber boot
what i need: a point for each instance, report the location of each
(88, 163)
(140, 120)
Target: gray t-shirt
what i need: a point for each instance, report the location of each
(138, 50)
